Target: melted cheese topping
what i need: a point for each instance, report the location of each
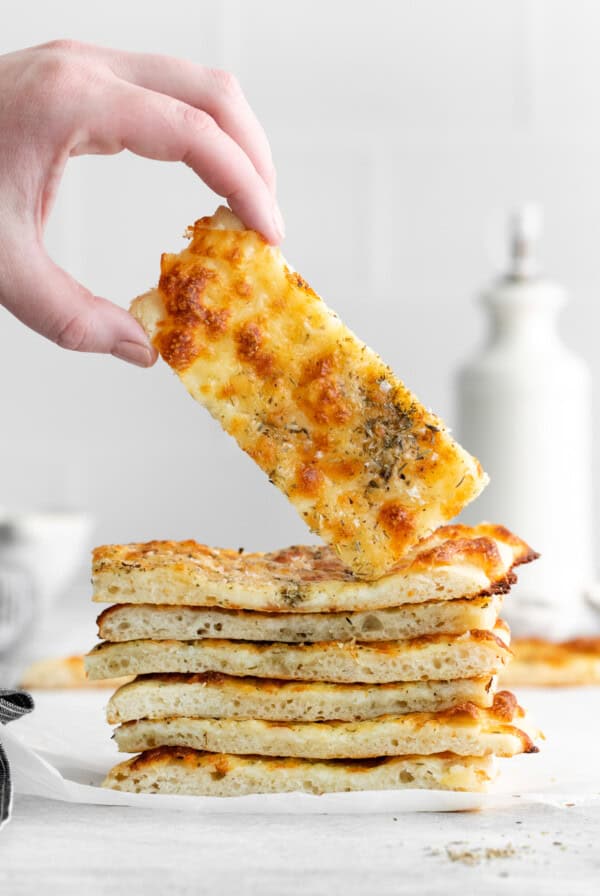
(466, 730)
(215, 696)
(471, 655)
(368, 468)
(454, 562)
(185, 771)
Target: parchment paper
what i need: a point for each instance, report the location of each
(63, 750)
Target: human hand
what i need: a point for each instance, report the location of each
(64, 99)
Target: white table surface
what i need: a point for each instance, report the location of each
(51, 847)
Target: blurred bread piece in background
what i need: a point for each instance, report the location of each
(63, 673)
(540, 663)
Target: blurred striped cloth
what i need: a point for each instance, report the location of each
(13, 705)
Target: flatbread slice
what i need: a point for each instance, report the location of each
(442, 657)
(128, 622)
(367, 467)
(466, 731)
(543, 663)
(178, 770)
(455, 562)
(211, 695)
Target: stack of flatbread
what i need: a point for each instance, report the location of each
(367, 663)
(274, 672)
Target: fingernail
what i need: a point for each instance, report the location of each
(278, 220)
(134, 353)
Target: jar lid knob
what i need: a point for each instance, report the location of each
(525, 230)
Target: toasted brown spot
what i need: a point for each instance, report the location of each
(227, 391)
(221, 766)
(325, 401)
(483, 635)
(505, 706)
(182, 292)
(177, 347)
(481, 551)
(296, 280)
(183, 300)
(317, 369)
(249, 341)
(164, 755)
(214, 320)
(396, 520)
(264, 452)
(243, 288)
(341, 469)
(309, 479)
(463, 709)
(458, 532)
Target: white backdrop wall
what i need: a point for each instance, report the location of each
(403, 131)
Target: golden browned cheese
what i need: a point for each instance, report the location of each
(366, 465)
(456, 561)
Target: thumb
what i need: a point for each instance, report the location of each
(47, 299)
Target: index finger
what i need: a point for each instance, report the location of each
(216, 92)
(158, 127)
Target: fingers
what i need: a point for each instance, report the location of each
(156, 126)
(171, 109)
(47, 299)
(216, 92)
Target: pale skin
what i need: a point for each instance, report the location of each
(65, 99)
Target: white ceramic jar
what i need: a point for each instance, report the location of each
(524, 410)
